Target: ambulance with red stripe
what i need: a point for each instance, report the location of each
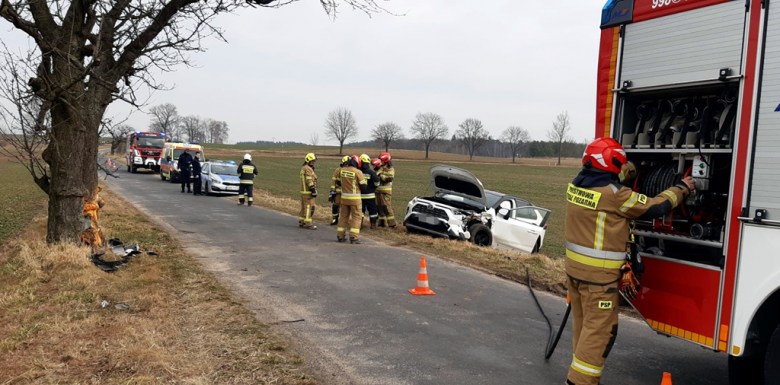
(692, 87)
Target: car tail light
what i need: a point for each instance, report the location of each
(545, 227)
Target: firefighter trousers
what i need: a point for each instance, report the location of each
(307, 210)
(386, 217)
(595, 326)
(349, 219)
(369, 207)
(245, 189)
(335, 208)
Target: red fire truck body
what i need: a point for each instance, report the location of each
(144, 150)
(692, 87)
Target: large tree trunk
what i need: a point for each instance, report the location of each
(341, 148)
(387, 146)
(426, 151)
(72, 159)
(560, 148)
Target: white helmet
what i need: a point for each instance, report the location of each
(248, 157)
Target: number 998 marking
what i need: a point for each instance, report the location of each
(661, 3)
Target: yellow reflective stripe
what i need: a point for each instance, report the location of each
(629, 203)
(368, 196)
(598, 243)
(586, 368)
(354, 231)
(671, 195)
(308, 213)
(250, 199)
(341, 229)
(247, 182)
(621, 176)
(363, 181)
(306, 192)
(390, 218)
(595, 262)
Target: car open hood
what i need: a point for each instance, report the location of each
(456, 181)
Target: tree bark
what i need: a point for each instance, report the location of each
(341, 148)
(426, 151)
(387, 146)
(72, 159)
(560, 148)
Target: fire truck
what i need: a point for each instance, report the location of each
(144, 150)
(692, 87)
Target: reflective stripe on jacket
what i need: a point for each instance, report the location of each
(246, 172)
(333, 185)
(308, 180)
(386, 176)
(351, 180)
(597, 227)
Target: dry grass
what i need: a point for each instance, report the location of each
(181, 327)
(547, 273)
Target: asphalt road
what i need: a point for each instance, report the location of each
(361, 324)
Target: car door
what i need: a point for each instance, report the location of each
(502, 234)
(520, 227)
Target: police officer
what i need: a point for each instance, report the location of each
(369, 196)
(335, 191)
(246, 175)
(352, 186)
(308, 192)
(384, 192)
(598, 216)
(196, 179)
(184, 166)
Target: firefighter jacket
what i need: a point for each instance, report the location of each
(386, 176)
(247, 172)
(598, 215)
(308, 180)
(352, 184)
(335, 184)
(372, 180)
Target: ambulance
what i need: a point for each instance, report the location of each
(170, 157)
(692, 88)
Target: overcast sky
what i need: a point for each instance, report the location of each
(506, 62)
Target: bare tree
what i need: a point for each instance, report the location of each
(84, 55)
(428, 127)
(193, 128)
(516, 137)
(473, 135)
(314, 139)
(118, 135)
(165, 118)
(340, 125)
(217, 131)
(559, 132)
(387, 133)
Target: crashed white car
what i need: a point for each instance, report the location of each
(462, 209)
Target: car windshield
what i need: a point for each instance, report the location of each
(224, 169)
(150, 142)
(178, 151)
(460, 199)
(492, 198)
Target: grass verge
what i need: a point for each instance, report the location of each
(21, 201)
(181, 325)
(547, 273)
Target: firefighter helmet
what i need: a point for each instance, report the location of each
(344, 160)
(248, 157)
(385, 157)
(356, 160)
(376, 162)
(365, 158)
(604, 154)
(310, 157)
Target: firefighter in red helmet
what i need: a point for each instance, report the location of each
(598, 216)
(384, 193)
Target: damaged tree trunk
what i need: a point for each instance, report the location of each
(72, 159)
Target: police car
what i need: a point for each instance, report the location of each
(220, 177)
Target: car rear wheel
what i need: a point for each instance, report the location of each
(480, 235)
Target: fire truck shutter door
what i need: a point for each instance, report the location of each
(687, 46)
(765, 183)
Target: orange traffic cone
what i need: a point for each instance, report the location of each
(667, 379)
(422, 281)
(109, 163)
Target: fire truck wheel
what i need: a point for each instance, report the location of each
(128, 168)
(133, 169)
(746, 370)
(771, 369)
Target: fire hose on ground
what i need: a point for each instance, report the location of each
(552, 341)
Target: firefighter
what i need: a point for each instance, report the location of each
(598, 216)
(384, 192)
(335, 191)
(353, 185)
(246, 174)
(369, 196)
(308, 192)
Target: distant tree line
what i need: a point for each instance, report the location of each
(165, 118)
(271, 143)
(492, 148)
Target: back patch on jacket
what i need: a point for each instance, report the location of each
(347, 174)
(583, 197)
